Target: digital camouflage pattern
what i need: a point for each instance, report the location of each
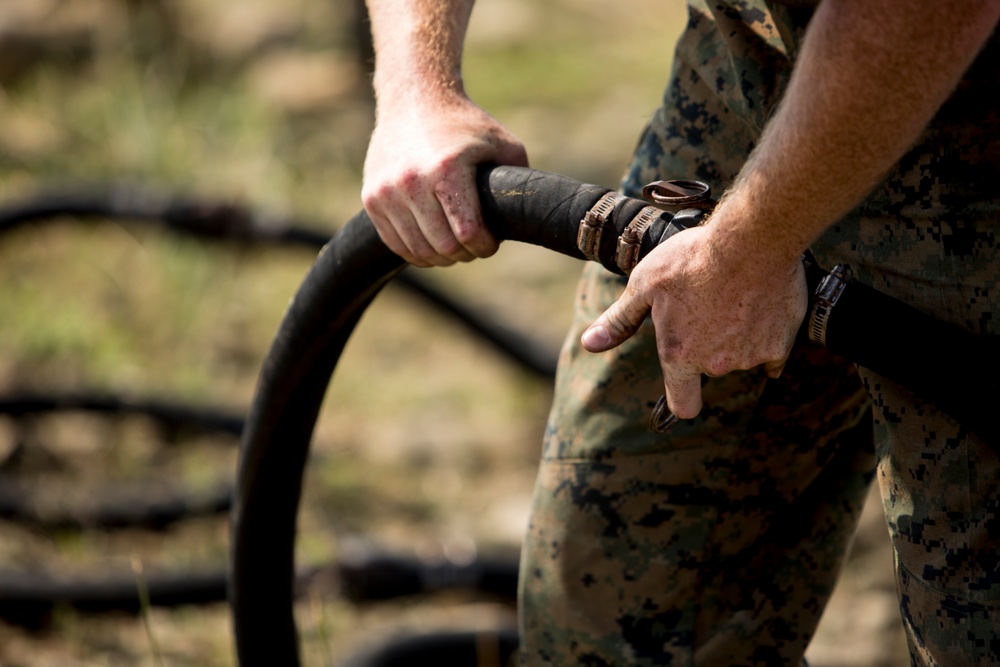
(719, 542)
(928, 236)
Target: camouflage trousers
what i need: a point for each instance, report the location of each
(719, 542)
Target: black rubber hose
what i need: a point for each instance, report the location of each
(377, 575)
(518, 204)
(167, 414)
(942, 364)
(28, 598)
(109, 507)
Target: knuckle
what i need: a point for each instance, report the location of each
(670, 349)
(454, 194)
(374, 196)
(718, 365)
(371, 195)
(410, 181)
(447, 165)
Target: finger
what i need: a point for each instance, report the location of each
(468, 236)
(616, 324)
(419, 220)
(778, 357)
(683, 392)
(393, 221)
(775, 368)
(417, 250)
(441, 240)
(391, 238)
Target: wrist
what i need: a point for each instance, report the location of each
(746, 229)
(412, 86)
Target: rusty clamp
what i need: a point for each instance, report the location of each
(680, 193)
(630, 241)
(588, 238)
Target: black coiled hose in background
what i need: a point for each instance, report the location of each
(231, 222)
(518, 204)
(28, 598)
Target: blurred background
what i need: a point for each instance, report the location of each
(425, 445)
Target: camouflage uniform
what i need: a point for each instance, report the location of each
(719, 542)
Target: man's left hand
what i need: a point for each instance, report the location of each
(716, 307)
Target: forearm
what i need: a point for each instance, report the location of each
(419, 47)
(870, 76)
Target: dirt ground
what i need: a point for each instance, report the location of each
(427, 443)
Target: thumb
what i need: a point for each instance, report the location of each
(616, 324)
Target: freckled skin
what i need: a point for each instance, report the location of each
(429, 137)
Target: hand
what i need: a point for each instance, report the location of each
(716, 308)
(419, 179)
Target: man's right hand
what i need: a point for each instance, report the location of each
(419, 177)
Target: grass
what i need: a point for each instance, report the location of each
(140, 584)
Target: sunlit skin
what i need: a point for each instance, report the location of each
(429, 137)
(727, 296)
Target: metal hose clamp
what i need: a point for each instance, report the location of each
(828, 292)
(627, 255)
(588, 238)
